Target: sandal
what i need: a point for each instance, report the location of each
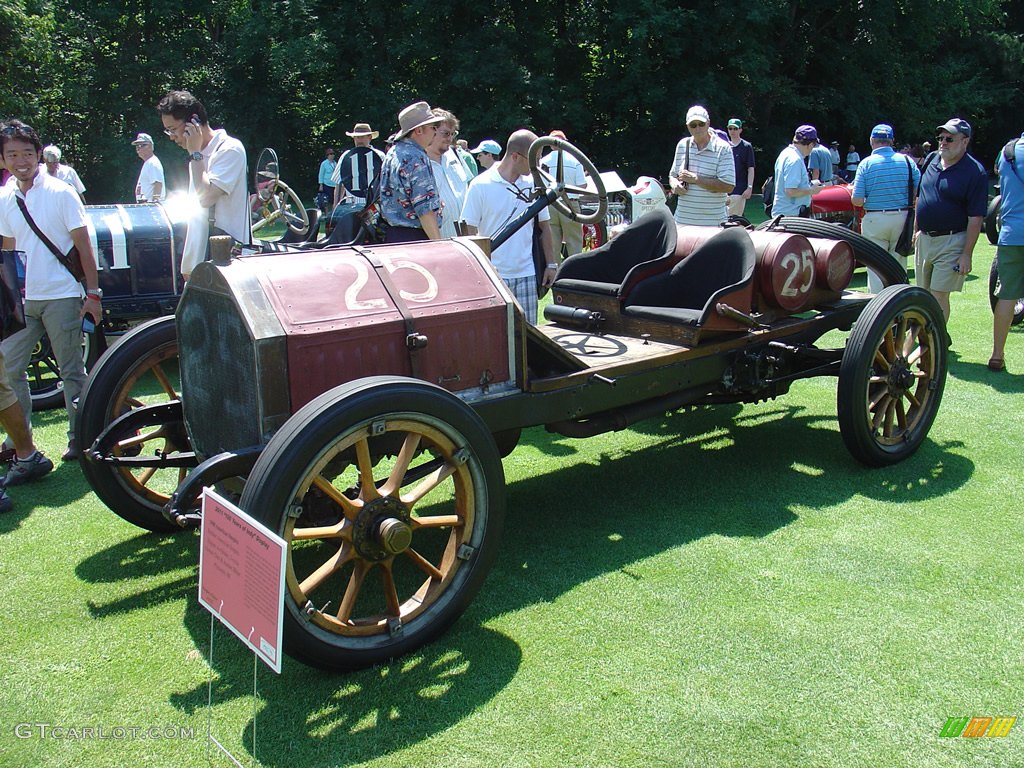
(997, 364)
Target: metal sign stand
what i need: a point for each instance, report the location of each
(210, 738)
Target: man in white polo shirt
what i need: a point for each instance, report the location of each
(150, 187)
(703, 173)
(217, 175)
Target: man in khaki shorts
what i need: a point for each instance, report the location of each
(951, 207)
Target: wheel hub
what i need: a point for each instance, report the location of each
(901, 378)
(383, 529)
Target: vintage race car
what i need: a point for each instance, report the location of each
(359, 400)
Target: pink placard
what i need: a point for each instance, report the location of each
(241, 576)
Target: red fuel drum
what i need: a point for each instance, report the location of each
(793, 272)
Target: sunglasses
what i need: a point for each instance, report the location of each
(446, 132)
(696, 125)
(734, 127)
(945, 139)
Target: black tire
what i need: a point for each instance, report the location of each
(992, 222)
(993, 283)
(139, 369)
(45, 386)
(339, 441)
(892, 375)
(867, 253)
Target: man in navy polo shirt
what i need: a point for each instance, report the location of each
(884, 187)
(951, 206)
(1010, 251)
(743, 161)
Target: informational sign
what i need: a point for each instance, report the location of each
(241, 576)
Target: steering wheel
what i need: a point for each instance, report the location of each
(544, 180)
(274, 199)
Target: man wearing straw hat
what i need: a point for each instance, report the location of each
(357, 167)
(409, 199)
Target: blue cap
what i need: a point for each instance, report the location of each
(882, 131)
(956, 125)
(488, 145)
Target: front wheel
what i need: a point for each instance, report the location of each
(892, 375)
(390, 495)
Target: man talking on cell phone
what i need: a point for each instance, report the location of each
(217, 175)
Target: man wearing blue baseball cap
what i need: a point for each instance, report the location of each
(487, 152)
(951, 207)
(793, 187)
(885, 187)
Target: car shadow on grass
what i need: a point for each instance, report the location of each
(722, 471)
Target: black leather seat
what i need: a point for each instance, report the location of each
(722, 266)
(645, 243)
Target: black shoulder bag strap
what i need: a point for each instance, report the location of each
(910, 185)
(1010, 153)
(61, 257)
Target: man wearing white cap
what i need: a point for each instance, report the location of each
(150, 186)
(487, 151)
(54, 167)
(702, 173)
(409, 200)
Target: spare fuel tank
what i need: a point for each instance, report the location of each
(261, 336)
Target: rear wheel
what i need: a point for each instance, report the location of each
(389, 493)
(892, 376)
(141, 369)
(992, 221)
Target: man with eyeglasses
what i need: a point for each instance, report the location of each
(217, 176)
(450, 174)
(885, 187)
(951, 206)
(743, 163)
(409, 200)
(793, 185)
(702, 173)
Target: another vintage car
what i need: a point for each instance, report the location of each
(138, 249)
(359, 400)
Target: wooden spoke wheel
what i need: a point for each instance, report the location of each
(390, 494)
(892, 375)
(141, 369)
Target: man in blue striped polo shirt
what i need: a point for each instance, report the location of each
(881, 187)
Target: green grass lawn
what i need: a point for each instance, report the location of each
(724, 587)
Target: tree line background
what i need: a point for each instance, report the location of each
(615, 75)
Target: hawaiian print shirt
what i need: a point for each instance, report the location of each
(407, 188)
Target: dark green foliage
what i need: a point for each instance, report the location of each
(616, 76)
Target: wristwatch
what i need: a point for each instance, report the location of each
(195, 156)
(95, 293)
